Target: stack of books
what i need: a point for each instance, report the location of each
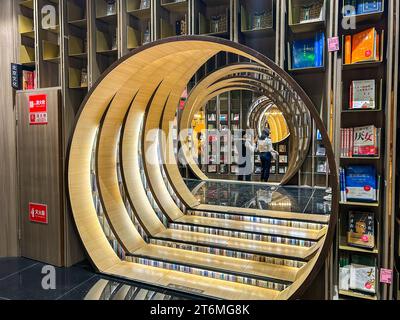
(362, 47)
(359, 142)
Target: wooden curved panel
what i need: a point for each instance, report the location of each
(122, 83)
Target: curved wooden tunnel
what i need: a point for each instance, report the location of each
(135, 99)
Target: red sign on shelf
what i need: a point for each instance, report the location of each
(38, 213)
(38, 109)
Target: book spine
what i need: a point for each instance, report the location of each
(351, 142)
(351, 96)
(347, 49)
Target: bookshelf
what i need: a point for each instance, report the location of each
(174, 18)
(309, 23)
(213, 18)
(306, 15)
(257, 26)
(362, 72)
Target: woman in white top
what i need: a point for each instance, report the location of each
(266, 153)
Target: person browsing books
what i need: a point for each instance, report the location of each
(267, 152)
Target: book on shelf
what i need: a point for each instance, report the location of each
(359, 141)
(357, 272)
(362, 278)
(84, 78)
(181, 26)
(363, 46)
(218, 23)
(145, 4)
(311, 12)
(358, 183)
(361, 230)
(358, 7)
(28, 80)
(282, 148)
(261, 20)
(283, 159)
(111, 7)
(362, 94)
(322, 166)
(321, 150)
(308, 53)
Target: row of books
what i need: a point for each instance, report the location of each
(358, 273)
(243, 235)
(363, 46)
(358, 7)
(358, 183)
(230, 253)
(359, 141)
(212, 274)
(270, 221)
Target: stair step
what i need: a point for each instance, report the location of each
(274, 214)
(237, 244)
(215, 263)
(193, 222)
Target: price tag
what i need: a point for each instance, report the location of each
(333, 44)
(386, 276)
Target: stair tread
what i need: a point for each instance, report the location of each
(221, 263)
(262, 228)
(254, 246)
(191, 283)
(309, 217)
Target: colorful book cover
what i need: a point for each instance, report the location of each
(308, 53)
(361, 183)
(361, 230)
(364, 46)
(362, 278)
(363, 94)
(365, 141)
(371, 6)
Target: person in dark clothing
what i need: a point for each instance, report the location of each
(267, 152)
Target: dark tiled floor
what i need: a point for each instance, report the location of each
(21, 279)
(261, 196)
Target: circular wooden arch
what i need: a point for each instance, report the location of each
(131, 94)
(238, 74)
